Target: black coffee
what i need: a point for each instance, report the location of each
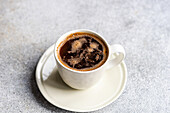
(83, 51)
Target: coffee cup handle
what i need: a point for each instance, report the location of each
(117, 55)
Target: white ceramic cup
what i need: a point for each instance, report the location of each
(86, 79)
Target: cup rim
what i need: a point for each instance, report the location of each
(74, 31)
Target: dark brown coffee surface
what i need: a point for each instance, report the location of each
(83, 51)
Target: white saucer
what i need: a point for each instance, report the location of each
(59, 94)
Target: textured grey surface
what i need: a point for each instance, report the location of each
(29, 27)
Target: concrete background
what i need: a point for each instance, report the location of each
(29, 27)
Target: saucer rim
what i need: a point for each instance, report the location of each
(39, 68)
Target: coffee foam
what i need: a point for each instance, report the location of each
(77, 46)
